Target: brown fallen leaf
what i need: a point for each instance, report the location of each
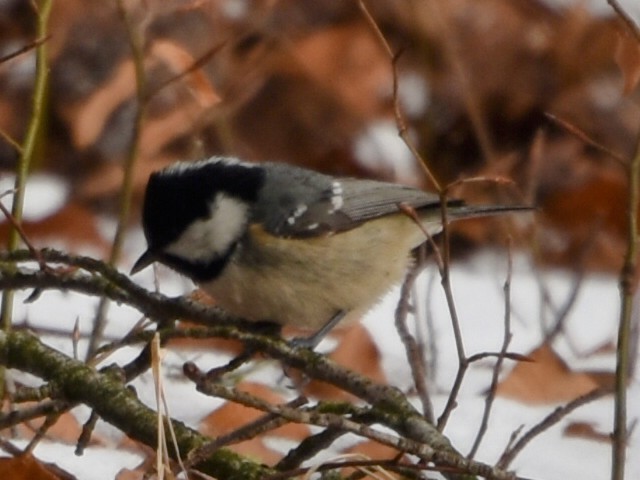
(143, 470)
(74, 225)
(545, 379)
(374, 451)
(27, 467)
(65, 430)
(349, 62)
(586, 431)
(628, 59)
(128, 474)
(232, 416)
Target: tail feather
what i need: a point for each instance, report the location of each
(460, 212)
(431, 218)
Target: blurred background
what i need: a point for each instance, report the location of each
(537, 92)
(509, 101)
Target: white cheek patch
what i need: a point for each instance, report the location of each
(208, 238)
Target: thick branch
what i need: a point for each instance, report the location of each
(93, 277)
(113, 401)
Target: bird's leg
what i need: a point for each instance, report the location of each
(312, 341)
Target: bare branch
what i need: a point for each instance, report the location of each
(268, 422)
(28, 149)
(93, 277)
(24, 49)
(317, 417)
(628, 285)
(416, 361)
(491, 395)
(550, 420)
(574, 130)
(403, 131)
(136, 44)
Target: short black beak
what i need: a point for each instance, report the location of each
(146, 259)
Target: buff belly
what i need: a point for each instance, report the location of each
(348, 271)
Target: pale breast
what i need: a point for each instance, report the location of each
(304, 282)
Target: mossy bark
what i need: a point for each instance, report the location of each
(117, 404)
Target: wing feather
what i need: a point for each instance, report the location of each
(368, 199)
(333, 205)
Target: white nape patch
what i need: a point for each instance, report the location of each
(300, 209)
(206, 239)
(336, 197)
(180, 167)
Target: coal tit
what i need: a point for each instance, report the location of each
(279, 243)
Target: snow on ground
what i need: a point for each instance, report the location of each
(591, 323)
(478, 290)
(51, 195)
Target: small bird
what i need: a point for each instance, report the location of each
(279, 243)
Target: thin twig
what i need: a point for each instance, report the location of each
(550, 420)
(22, 393)
(426, 331)
(563, 312)
(491, 179)
(268, 422)
(581, 135)
(304, 416)
(126, 193)
(87, 431)
(394, 409)
(235, 363)
(199, 62)
(49, 421)
(452, 51)
(442, 261)
(491, 395)
(485, 142)
(27, 153)
(47, 407)
(518, 357)
(9, 139)
(112, 400)
(628, 285)
(416, 361)
(463, 362)
(401, 124)
(22, 234)
(407, 470)
(308, 448)
(25, 48)
(314, 417)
